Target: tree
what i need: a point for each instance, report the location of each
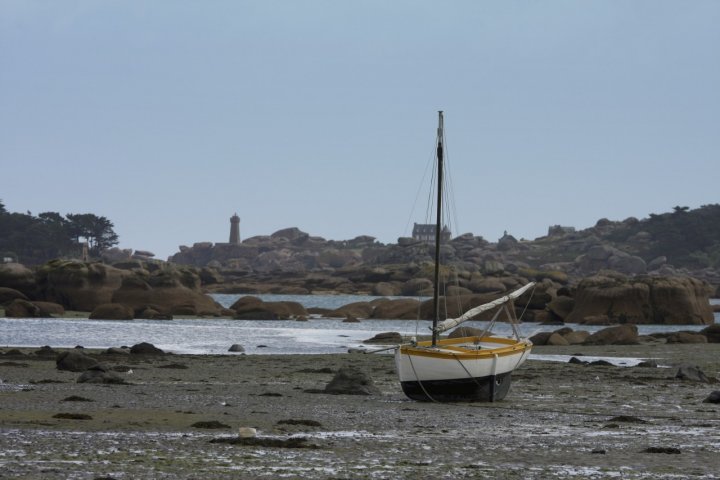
(97, 231)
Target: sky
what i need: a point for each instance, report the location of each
(167, 117)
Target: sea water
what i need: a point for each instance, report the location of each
(215, 336)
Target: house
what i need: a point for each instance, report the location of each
(426, 233)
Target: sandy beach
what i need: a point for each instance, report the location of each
(560, 420)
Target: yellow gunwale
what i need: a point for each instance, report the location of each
(425, 349)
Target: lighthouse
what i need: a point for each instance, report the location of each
(235, 230)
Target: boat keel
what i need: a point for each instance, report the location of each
(485, 389)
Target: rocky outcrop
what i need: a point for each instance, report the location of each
(253, 308)
(385, 338)
(641, 300)
(18, 277)
(50, 309)
(351, 381)
(74, 361)
(617, 335)
(7, 295)
(145, 348)
(19, 308)
(171, 291)
(112, 311)
(712, 333)
(77, 285)
(100, 374)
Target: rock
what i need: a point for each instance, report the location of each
(385, 338)
(7, 295)
(116, 351)
(19, 308)
(50, 309)
(656, 263)
(642, 300)
(561, 306)
(487, 285)
(648, 364)
(714, 397)
(540, 338)
(400, 309)
(350, 319)
(618, 335)
(628, 264)
(172, 291)
(351, 381)
(252, 308)
(210, 425)
(712, 333)
(150, 313)
(356, 310)
(112, 311)
(46, 351)
(386, 289)
(77, 285)
(17, 277)
(597, 320)
(686, 337)
(99, 374)
(557, 339)
(74, 361)
(145, 348)
(577, 337)
(237, 348)
(667, 450)
(415, 286)
(691, 373)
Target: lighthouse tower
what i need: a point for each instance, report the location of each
(235, 230)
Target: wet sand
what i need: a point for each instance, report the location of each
(558, 421)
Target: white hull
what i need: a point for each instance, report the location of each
(460, 370)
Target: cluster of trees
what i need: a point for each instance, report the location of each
(688, 238)
(36, 239)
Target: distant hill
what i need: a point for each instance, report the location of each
(683, 241)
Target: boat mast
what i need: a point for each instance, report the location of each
(436, 289)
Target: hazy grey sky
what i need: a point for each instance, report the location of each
(169, 116)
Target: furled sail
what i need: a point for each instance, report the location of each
(453, 322)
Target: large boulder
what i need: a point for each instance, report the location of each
(385, 338)
(398, 309)
(561, 306)
(681, 300)
(145, 348)
(17, 277)
(252, 308)
(19, 308)
(617, 335)
(712, 333)
(100, 374)
(172, 291)
(72, 361)
(7, 295)
(642, 300)
(78, 285)
(351, 381)
(356, 309)
(50, 309)
(112, 311)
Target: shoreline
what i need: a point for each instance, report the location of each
(551, 423)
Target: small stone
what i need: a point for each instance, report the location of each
(714, 397)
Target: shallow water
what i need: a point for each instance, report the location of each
(214, 336)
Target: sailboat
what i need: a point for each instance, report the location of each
(464, 369)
